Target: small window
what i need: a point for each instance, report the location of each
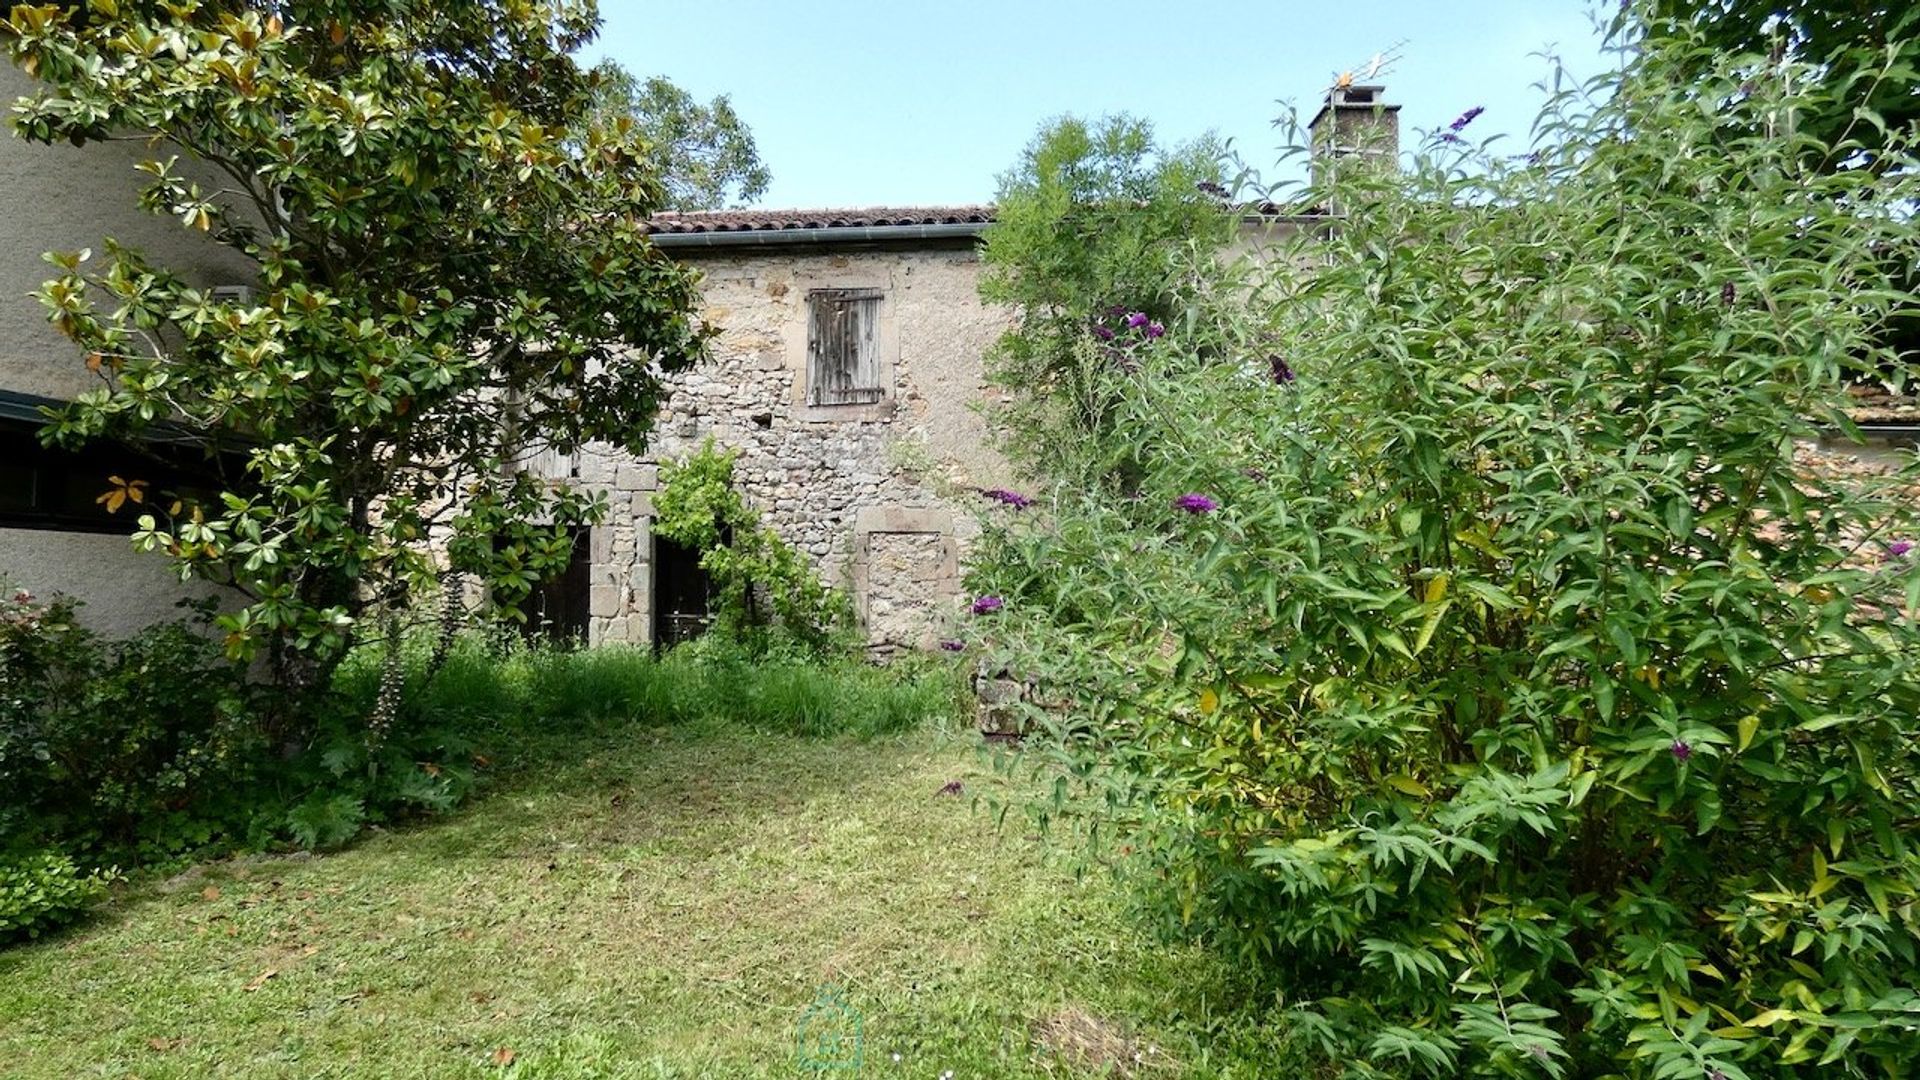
(42, 487)
(843, 347)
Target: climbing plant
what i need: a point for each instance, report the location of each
(761, 584)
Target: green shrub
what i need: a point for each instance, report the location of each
(1475, 657)
(44, 890)
(134, 749)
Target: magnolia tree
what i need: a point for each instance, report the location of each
(452, 276)
(1471, 649)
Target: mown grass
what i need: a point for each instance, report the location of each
(643, 901)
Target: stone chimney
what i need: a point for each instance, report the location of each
(1356, 125)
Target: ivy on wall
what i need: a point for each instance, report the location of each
(763, 587)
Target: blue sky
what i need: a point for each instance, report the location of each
(858, 102)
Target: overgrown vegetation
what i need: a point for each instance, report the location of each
(449, 275)
(645, 904)
(145, 752)
(1091, 227)
(1464, 647)
(763, 590)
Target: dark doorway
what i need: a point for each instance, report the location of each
(682, 594)
(557, 609)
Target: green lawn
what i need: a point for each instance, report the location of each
(666, 904)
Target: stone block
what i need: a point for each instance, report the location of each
(606, 600)
(635, 476)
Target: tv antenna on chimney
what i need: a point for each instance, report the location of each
(1374, 67)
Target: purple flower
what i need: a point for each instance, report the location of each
(1136, 320)
(1195, 503)
(1681, 749)
(1010, 498)
(1460, 122)
(1155, 330)
(988, 603)
(1282, 372)
(1103, 333)
(1899, 548)
(951, 645)
(1726, 294)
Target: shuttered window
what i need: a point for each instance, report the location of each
(843, 347)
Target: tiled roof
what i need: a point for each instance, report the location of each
(714, 221)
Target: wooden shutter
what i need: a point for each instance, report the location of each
(843, 347)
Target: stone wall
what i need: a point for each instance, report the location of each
(880, 497)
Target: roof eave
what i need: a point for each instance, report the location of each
(827, 236)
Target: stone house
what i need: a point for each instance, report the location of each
(848, 374)
(848, 377)
(863, 467)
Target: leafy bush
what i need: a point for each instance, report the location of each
(1476, 658)
(133, 749)
(42, 891)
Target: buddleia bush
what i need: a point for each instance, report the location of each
(1473, 653)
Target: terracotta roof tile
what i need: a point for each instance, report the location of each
(703, 221)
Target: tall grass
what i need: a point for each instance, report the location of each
(489, 681)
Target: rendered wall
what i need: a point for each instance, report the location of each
(121, 590)
(63, 198)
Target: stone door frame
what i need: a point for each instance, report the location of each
(911, 520)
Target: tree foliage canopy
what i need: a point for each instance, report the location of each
(452, 278)
(1089, 226)
(1471, 648)
(1867, 51)
(706, 154)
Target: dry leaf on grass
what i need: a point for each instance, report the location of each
(260, 980)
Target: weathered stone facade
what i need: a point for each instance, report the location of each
(880, 496)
